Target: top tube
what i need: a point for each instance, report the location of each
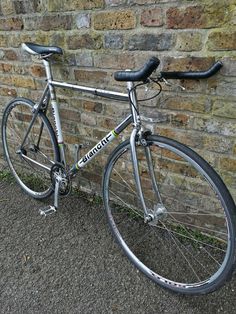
(95, 91)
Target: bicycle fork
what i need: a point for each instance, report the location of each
(133, 137)
(149, 214)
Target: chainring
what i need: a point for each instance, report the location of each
(58, 171)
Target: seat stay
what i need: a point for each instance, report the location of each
(37, 109)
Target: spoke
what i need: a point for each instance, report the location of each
(125, 221)
(127, 205)
(124, 181)
(125, 186)
(148, 199)
(11, 129)
(195, 240)
(180, 188)
(173, 237)
(196, 259)
(30, 164)
(204, 243)
(142, 238)
(45, 156)
(32, 167)
(197, 227)
(164, 244)
(197, 214)
(174, 232)
(212, 257)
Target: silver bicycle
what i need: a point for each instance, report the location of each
(168, 209)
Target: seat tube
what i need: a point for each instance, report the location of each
(133, 139)
(55, 110)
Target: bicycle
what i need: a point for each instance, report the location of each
(167, 208)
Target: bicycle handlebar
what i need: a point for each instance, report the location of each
(143, 73)
(193, 74)
(140, 75)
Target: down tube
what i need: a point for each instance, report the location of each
(102, 144)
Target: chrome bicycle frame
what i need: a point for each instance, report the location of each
(134, 118)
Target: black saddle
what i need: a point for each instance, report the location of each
(41, 50)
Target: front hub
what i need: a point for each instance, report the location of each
(158, 213)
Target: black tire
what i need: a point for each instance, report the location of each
(33, 179)
(189, 247)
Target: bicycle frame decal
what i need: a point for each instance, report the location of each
(102, 144)
(96, 149)
(57, 121)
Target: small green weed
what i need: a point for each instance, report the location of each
(6, 176)
(196, 236)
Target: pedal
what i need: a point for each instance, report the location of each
(47, 210)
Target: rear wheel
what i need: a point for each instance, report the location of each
(189, 246)
(31, 163)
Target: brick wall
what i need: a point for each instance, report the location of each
(100, 36)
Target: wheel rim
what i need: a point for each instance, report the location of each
(192, 235)
(34, 179)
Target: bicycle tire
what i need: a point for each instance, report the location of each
(34, 180)
(165, 249)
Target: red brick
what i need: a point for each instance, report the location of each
(187, 64)
(87, 40)
(180, 120)
(4, 91)
(13, 23)
(68, 5)
(92, 106)
(5, 67)
(37, 71)
(69, 115)
(114, 20)
(195, 17)
(10, 55)
(107, 123)
(23, 81)
(189, 138)
(48, 22)
(193, 104)
(152, 17)
(189, 17)
(95, 76)
(114, 61)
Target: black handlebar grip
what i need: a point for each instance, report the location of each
(194, 74)
(150, 66)
(140, 75)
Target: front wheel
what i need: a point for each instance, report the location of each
(189, 246)
(30, 161)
